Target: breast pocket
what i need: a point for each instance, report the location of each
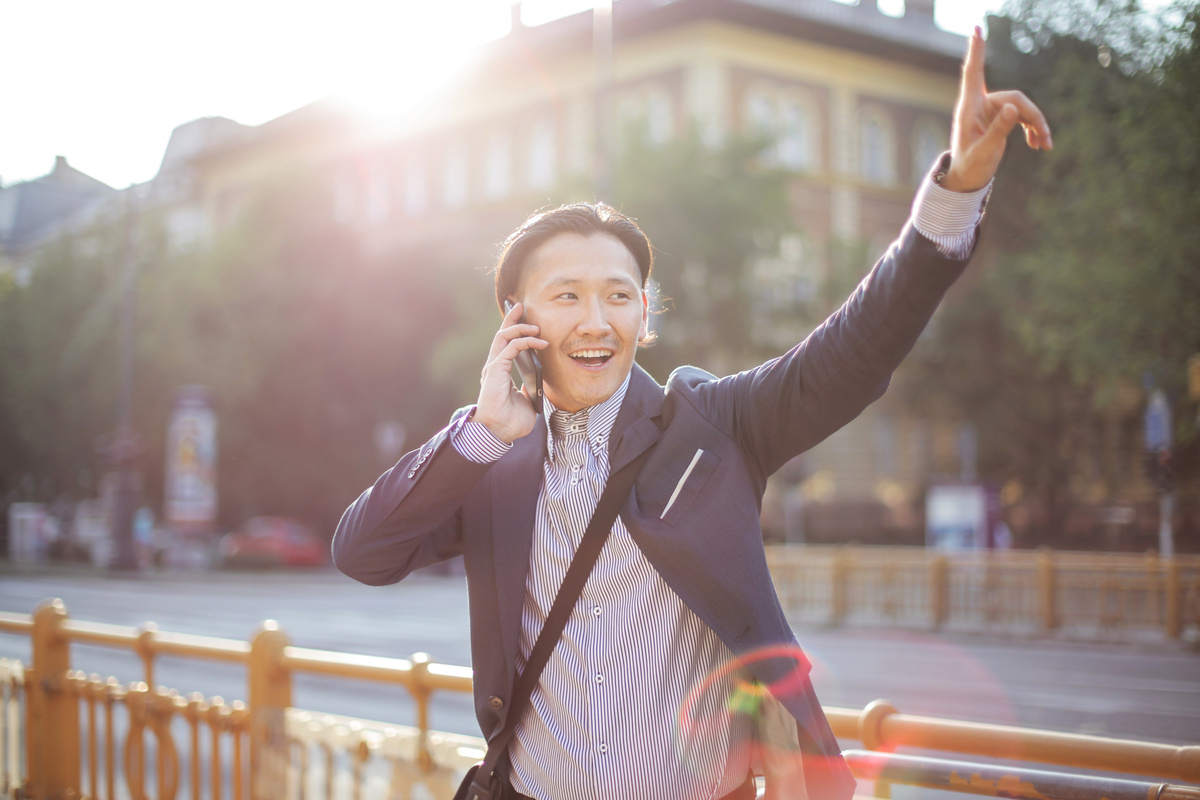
(690, 484)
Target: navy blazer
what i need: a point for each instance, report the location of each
(435, 504)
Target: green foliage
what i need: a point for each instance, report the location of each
(708, 211)
(1092, 253)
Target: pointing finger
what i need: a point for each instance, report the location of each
(972, 72)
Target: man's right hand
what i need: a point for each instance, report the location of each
(503, 408)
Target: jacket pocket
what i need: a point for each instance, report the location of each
(689, 485)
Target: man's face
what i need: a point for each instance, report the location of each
(584, 292)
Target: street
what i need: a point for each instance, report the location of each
(1142, 689)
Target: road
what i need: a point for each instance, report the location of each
(1145, 689)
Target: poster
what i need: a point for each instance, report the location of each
(190, 495)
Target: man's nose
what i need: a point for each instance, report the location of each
(594, 320)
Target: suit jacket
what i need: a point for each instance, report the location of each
(435, 504)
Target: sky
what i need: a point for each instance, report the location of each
(104, 82)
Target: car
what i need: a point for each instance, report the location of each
(273, 542)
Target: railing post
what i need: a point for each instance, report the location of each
(1174, 598)
(838, 580)
(270, 694)
(1046, 588)
(939, 590)
(870, 724)
(53, 743)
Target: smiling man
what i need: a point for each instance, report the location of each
(676, 675)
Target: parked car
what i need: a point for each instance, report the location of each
(273, 542)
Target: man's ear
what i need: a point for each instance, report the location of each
(644, 331)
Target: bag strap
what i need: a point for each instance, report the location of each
(611, 499)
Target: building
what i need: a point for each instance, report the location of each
(858, 103)
(34, 212)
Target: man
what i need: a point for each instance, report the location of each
(677, 675)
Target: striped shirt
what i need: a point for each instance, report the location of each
(604, 720)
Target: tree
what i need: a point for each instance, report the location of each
(1091, 251)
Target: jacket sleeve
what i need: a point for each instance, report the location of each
(410, 518)
(789, 404)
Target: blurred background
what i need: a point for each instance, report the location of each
(240, 332)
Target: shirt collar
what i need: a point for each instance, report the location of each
(596, 420)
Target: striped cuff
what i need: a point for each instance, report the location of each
(948, 219)
(475, 442)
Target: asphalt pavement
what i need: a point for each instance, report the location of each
(1133, 687)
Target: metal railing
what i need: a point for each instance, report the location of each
(1020, 591)
(268, 749)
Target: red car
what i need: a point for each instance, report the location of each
(273, 542)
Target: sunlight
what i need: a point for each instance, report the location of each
(400, 53)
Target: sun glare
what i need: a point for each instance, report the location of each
(401, 53)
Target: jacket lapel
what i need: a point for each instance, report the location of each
(638, 423)
(514, 506)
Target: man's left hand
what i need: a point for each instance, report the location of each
(982, 122)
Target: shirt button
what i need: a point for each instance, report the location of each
(597, 611)
(599, 679)
(575, 468)
(496, 702)
(603, 748)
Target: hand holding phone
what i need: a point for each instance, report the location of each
(530, 369)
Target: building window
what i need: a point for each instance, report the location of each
(497, 167)
(543, 155)
(929, 142)
(416, 190)
(646, 114)
(877, 148)
(454, 176)
(344, 196)
(377, 189)
(789, 118)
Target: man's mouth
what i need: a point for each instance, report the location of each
(592, 358)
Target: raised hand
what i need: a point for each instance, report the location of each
(502, 407)
(982, 122)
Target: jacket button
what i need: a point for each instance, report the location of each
(496, 702)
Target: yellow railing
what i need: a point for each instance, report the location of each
(267, 749)
(1097, 593)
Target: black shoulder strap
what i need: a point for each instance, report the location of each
(615, 491)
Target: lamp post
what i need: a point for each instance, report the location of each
(602, 66)
(125, 448)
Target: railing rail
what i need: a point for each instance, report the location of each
(53, 692)
(1038, 590)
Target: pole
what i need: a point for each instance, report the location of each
(602, 65)
(124, 449)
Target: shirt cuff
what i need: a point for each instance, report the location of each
(475, 442)
(947, 218)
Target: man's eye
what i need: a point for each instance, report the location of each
(566, 296)
(621, 296)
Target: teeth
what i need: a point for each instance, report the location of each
(591, 354)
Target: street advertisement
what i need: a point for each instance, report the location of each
(191, 479)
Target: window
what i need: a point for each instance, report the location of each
(343, 199)
(415, 190)
(659, 122)
(789, 118)
(543, 155)
(455, 176)
(377, 206)
(793, 144)
(929, 141)
(497, 169)
(877, 149)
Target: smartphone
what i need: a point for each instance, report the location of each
(530, 368)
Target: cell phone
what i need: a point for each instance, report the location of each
(530, 369)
